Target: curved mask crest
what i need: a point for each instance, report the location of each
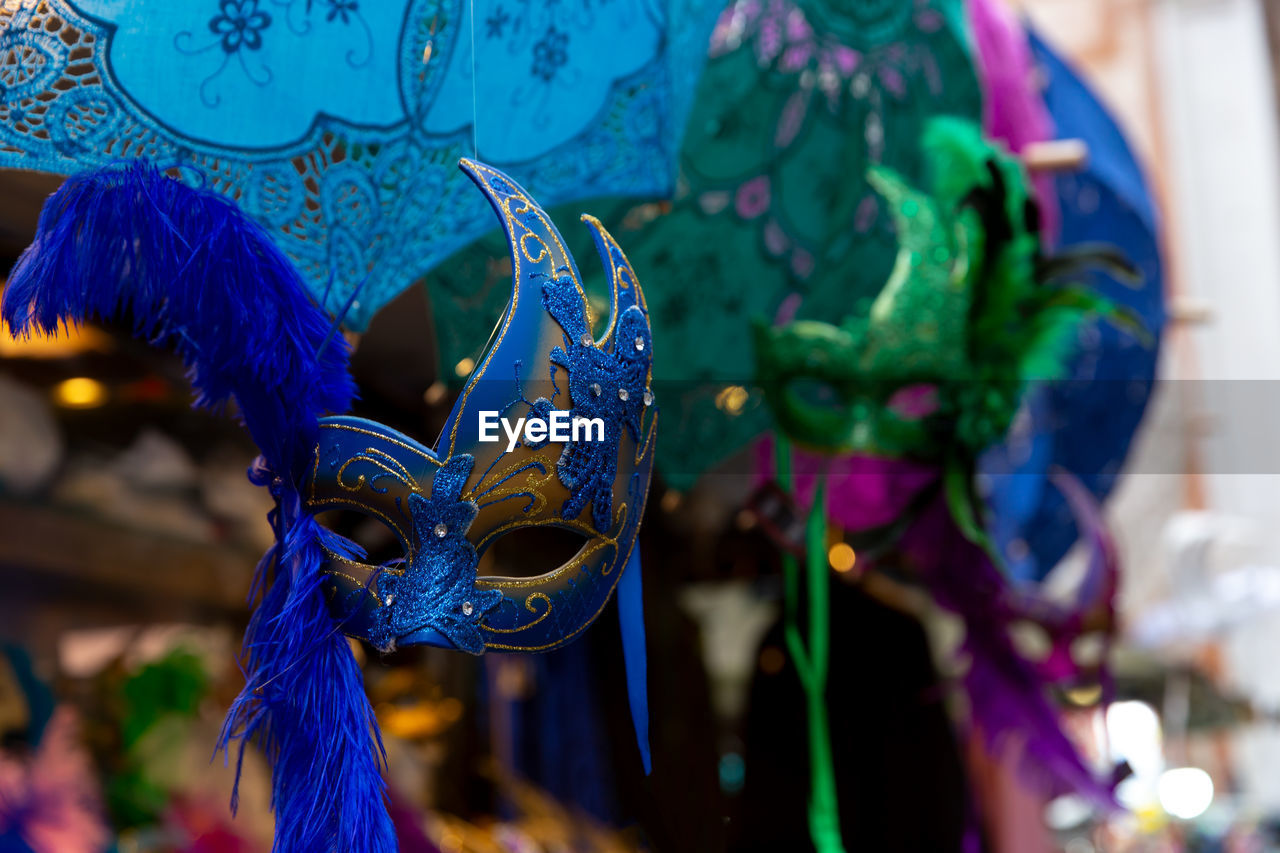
(448, 504)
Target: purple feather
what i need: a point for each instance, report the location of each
(1007, 693)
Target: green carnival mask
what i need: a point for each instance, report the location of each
(968, 316)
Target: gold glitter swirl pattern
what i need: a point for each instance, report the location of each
(384, 462)
(528, 605)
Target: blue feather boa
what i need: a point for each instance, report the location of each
(193, 273)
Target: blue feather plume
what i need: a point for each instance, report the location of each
(192, 272)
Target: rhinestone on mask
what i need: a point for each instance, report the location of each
(639, 344)
(596, 391)
(623, 395)
(648, 397)
(441, 530)
(467, 608)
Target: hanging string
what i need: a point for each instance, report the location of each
(475, 110)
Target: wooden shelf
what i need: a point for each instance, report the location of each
(51, 555)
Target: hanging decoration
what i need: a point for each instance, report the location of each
(336, 124)
(899, 401)
(797, 98)
(189, 270)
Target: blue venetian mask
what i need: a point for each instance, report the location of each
(449, 503)
(189, 270)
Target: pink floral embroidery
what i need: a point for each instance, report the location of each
(753, 197)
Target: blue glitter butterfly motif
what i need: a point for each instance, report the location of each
(437, 589)
(611, 386)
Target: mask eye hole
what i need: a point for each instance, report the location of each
(379, 541)
(815, 393)
(1031, 640)
(1088, 650)
(528, 552)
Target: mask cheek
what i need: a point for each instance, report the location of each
(436, 602)
(556, 577)
(434, 593)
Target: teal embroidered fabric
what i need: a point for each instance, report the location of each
(323, 121)
(773, 211)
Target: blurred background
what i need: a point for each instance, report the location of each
(129, 533)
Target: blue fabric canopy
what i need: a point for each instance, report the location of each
(1086, 423)
(338, 124)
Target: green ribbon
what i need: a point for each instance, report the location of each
(811, 660)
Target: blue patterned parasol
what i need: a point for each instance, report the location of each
(1084, 424)
(338, 124)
